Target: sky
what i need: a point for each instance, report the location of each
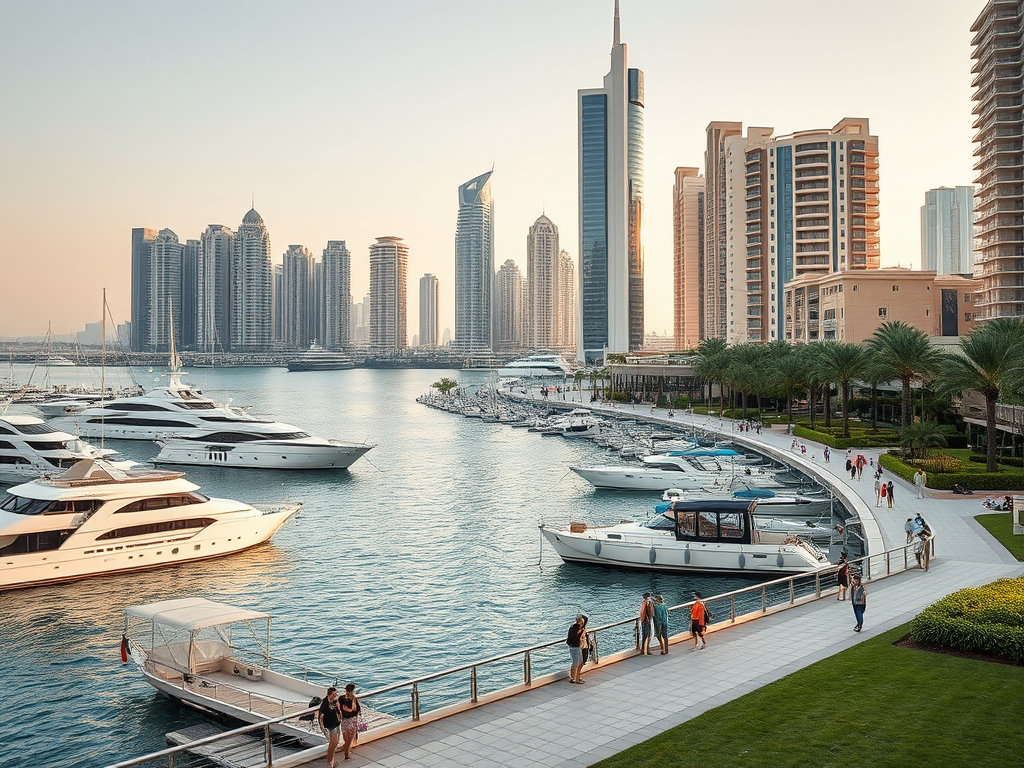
(349, 121)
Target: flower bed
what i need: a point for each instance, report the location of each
(988, 620)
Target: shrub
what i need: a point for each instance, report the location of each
(942, 464)
(619, 397)
(859, 438)
(1009, 461)
(988, 619)
(662, 401)
(682, 401)
(940, 481)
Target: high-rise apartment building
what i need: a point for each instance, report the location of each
(566, 338)
(251, 280)
(142, 241)
(430, 318)
(277, 298)
(164, 291)
(474, 265)
(509, 306)
(687, 257)
(999, 200)
(783, 207)
(947, 231)
(389, 267)
(542, 306)
(213, 289)
(611, 187)
(337, 295)
(189, 311)
(299, 321)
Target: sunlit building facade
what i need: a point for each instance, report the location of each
(251, 278)
(542, 306)
(389, 268)
(474, 266)
(687, 257)
(430, 318)
(509, 306)
(336, 296)
(947, 230)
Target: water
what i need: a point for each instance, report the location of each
(425, 555)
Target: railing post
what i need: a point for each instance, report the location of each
(732, 611)
(867, 564)
(792, 591)
(472, 685)
(636, 633)
(764, 600)
(817, 584)
(888, 564)
(250, 702)
(268, 746)
(170, 761)
(906, 560)
(415, 702)
(527, 672)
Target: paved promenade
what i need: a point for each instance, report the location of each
(565, 726)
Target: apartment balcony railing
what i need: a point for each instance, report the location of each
(816, 146)
(753, 203)
(811, 160)
(812, 173)
(812, 210)
(754, 215)
(807, 185)
(816, 235)
(811, 223)
(810, 198)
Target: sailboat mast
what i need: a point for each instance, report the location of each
(103, 350)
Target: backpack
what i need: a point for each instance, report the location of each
(316, 701)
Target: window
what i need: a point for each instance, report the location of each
(967, 298)
(730, 525)
(927, 312)
(136, 407)
(130, 422)
(163, 502)
(164, 527)
(6, 431)
(35, 542)
(883, 312)
(967, 317)
(34, 429)
(855, 288)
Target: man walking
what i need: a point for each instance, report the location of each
(908, 527)
(698, 622)
(646, 624)
(888, 488)
(919, 480)
(878, 491)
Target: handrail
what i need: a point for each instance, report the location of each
(761, 591)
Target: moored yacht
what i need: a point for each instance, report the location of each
(662, 471)
(284, 450)
(693, 537)
(319, 359)
(536, 366)
(29, 448)
(579, 422)
(97, 519)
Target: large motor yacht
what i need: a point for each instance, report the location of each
(687, 470)
(29, 448)
(96, 519)
(692, 536)
(535, 366)
(283, 450)
(319, 359)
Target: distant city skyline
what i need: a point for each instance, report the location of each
(326, 176)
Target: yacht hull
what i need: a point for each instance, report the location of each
(260, 456)
(640, 479)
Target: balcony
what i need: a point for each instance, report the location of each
(803, 186)
(816, 146)
(987, 70)
(812, 210)
(820, 247)
(821, 234)
(812, 173)
(811, 223)
(753, 228)
(753, 203)
(811, 160)
(754, 240)
(754, 215)
(804, 199)
(752, 181)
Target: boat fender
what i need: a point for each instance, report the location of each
(743, 560)
(686, 555)
(597, 548)
(780, 560)
(653, 555)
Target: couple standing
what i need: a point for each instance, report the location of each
(653, 617)
(339, 716)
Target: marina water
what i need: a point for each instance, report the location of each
(425, 555)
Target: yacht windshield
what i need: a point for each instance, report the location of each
(659, 523)
(34, 429)
(21, 505)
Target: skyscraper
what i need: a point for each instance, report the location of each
(389, 266)
(337, 295)
(213, 289)
(542, 281)
(142, 240)
(509, 314)
(430, 319)
(251, 317)
(687, 256)
(723, 138)
(566, 339)
(474, 265)
(164, 291)
(611, 182)
(298, 324)
(189, 311)
(947, 231)
(999, 256)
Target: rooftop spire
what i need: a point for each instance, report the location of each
(616, 39)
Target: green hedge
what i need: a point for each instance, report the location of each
(857, 439)
(988, 619)
(979, 481)
(1008, 461)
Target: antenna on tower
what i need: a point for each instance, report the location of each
(616, 39)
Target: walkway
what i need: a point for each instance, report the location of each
(564, 727)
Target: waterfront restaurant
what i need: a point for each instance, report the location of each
(647, 376)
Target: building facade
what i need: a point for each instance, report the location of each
(251, 280)
(509, 307)
(213, 289)
(189, 311)
(164, 291)
(389, 267)
(430, 318)
(142, 241)
(474, 266)
(947, 231)
(542, 280)
(298, 325)
(999, 199)
(687, 257)
(336, 297)
(723, 139)
(611, 187)
(566, 339)
(849, 306)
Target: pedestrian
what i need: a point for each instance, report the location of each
(861, 461)
(849, 453)
(698, 622)
(878, 492)
(828, 454)
(803, 448)
(919, 482)
(888, 487)
(859, 598)
(329, 719)
(883, 493)
(661, 623)
(350, 710)
(919, 543)
(575, 654)
(646, 624)
(853, 471)
(585, 649)
(843, 577)
(909, 528)
(848, 463)
(872, 461)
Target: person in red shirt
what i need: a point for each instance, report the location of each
(698, 621)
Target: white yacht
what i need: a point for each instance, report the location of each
(688, 471)
(282, 450)
(316, 358)
(789, 505)
(535, 366)
(579, 422)
(97, 519)
(216, 657)
(694, 537)
(30, 448)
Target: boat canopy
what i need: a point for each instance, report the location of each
(703, 452)
(754, 493)
(192, 613)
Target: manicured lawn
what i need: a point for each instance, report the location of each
(964, 454)
(1000, 525)
(873, 705)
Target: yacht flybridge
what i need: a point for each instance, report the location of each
(97, 519)
(29, 448)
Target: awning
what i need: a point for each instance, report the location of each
(192, 613)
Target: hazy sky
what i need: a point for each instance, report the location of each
(353, 120)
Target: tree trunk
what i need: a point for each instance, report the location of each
(874, 407)
(905, 417)
(846, 409)
(789, 405)
(990, 427)
(812, 401)
(828, 405)
(721, 398)
(744, 404)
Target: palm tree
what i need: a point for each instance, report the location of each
(908, 353)
(714, 367)
(875, 372)
(841, 363)
(920, 436)
(745, 370)
(989, 360)
(445, 385)
(789, 374)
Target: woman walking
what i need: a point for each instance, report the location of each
(843, 577)
(661, 623)
(859, 598)
(575, 653)
(329, 719)
(584, 649)
(888, 488)
(350, 710)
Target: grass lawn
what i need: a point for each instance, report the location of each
(1000, 526)
(872, 705)
(964, 454)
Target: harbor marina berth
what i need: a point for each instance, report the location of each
(97, 518)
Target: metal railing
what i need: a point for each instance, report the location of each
(465, 684)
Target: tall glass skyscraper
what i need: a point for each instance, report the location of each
(474, 266)
(611, 190)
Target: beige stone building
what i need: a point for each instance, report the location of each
(849, 306)
(688, 256)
